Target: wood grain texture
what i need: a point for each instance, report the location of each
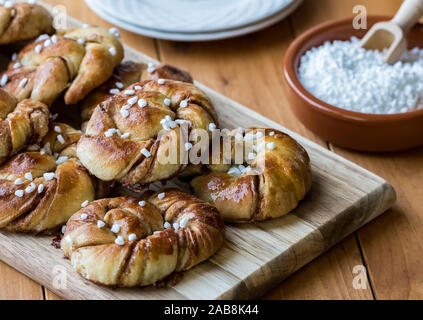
(330, 276)
(254, 258)
(49, 295)
(393, 245)
(15, 286)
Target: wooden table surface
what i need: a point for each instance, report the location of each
(249, 70)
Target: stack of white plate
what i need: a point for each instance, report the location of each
(193, 20)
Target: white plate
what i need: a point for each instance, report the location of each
(191, 16)
(175, 36)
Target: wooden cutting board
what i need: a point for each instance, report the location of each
(255, 257)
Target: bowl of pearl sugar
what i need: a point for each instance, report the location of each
(349, 96)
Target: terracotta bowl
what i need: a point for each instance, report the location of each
(349, 129)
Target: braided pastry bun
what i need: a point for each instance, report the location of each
(125, 74)
(21, 124)
(130, 134)
(40, 190)
(127, 242)
(23, 21)
(272, 185)
(76, 61)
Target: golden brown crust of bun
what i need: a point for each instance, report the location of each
(65, 65)
(125, 74)
(156, 252)
(26, 208)
(21, 124)
(24, 21)
(166, 71)
(117, 158)
(283, 179)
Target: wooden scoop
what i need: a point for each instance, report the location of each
(392, 34)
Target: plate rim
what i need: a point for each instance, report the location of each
(107, 11)
(197, 37)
